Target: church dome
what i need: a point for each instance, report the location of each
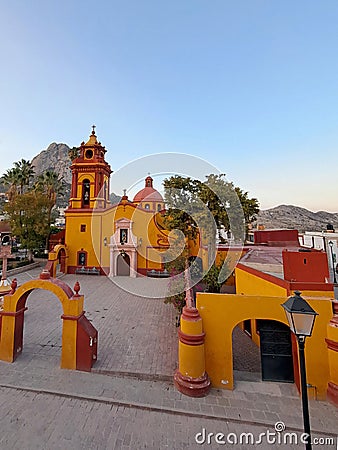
(148, 193)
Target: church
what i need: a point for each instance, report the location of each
(125, 239)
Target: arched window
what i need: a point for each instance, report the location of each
(85, 192)
(147, 206)
(82, 258)
(159, 207)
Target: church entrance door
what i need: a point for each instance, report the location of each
(123, 265)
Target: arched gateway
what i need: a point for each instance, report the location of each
(79, 337)
(57, 258)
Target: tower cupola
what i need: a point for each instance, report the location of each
(90, 176)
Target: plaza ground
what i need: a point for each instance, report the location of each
(128, 401)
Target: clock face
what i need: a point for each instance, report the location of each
(89, 154)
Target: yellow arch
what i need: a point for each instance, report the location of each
(53, 257)
(12, 316)
(58, 247)
(86, 176)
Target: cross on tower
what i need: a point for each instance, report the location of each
(93, 126)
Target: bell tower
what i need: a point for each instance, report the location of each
(90, 176)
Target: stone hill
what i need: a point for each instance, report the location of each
(295, 217)
(55, 158)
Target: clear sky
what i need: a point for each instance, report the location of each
(250, 86)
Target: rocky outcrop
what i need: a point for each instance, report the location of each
(55, 158)
(295, 217)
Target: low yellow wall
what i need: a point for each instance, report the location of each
(222, 312)
(249, 284)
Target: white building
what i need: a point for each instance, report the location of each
(322, 240)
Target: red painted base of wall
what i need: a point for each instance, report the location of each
(193, 387)
(332, 393)
(142, 272)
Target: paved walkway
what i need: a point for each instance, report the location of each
(136, 334)
(67, 409)
(132, 403)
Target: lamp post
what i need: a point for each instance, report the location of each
(301, 318)
(333, 261)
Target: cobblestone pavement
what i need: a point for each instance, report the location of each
(132, 404)
(246, 354)
(45, 421)
(136, 334)
(126, 323)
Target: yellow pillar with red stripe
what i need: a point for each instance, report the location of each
(191, 378)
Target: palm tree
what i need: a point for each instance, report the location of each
(19, 178)
(25, 173)
(51, 185)
(11, 179)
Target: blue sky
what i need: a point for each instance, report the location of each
(250, 86)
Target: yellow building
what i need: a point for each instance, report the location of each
(122, 239)
(265, 278)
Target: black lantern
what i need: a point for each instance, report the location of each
(301, 318)
(300, 315)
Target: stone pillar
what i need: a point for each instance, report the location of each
(11, 334)
(332, 345)
(191, 378)
(69, 335)
(73, 312)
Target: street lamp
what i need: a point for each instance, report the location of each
(301, 318)
(332, 257)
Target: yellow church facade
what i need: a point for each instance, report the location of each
(122, 239)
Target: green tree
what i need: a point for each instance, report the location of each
(11, 180)
(208, 206)
(19, 178)
(215, 277)
(51, 185)
(26, 174)
(181, 198)
(250, 207)
(30, 205)
(28, 214)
